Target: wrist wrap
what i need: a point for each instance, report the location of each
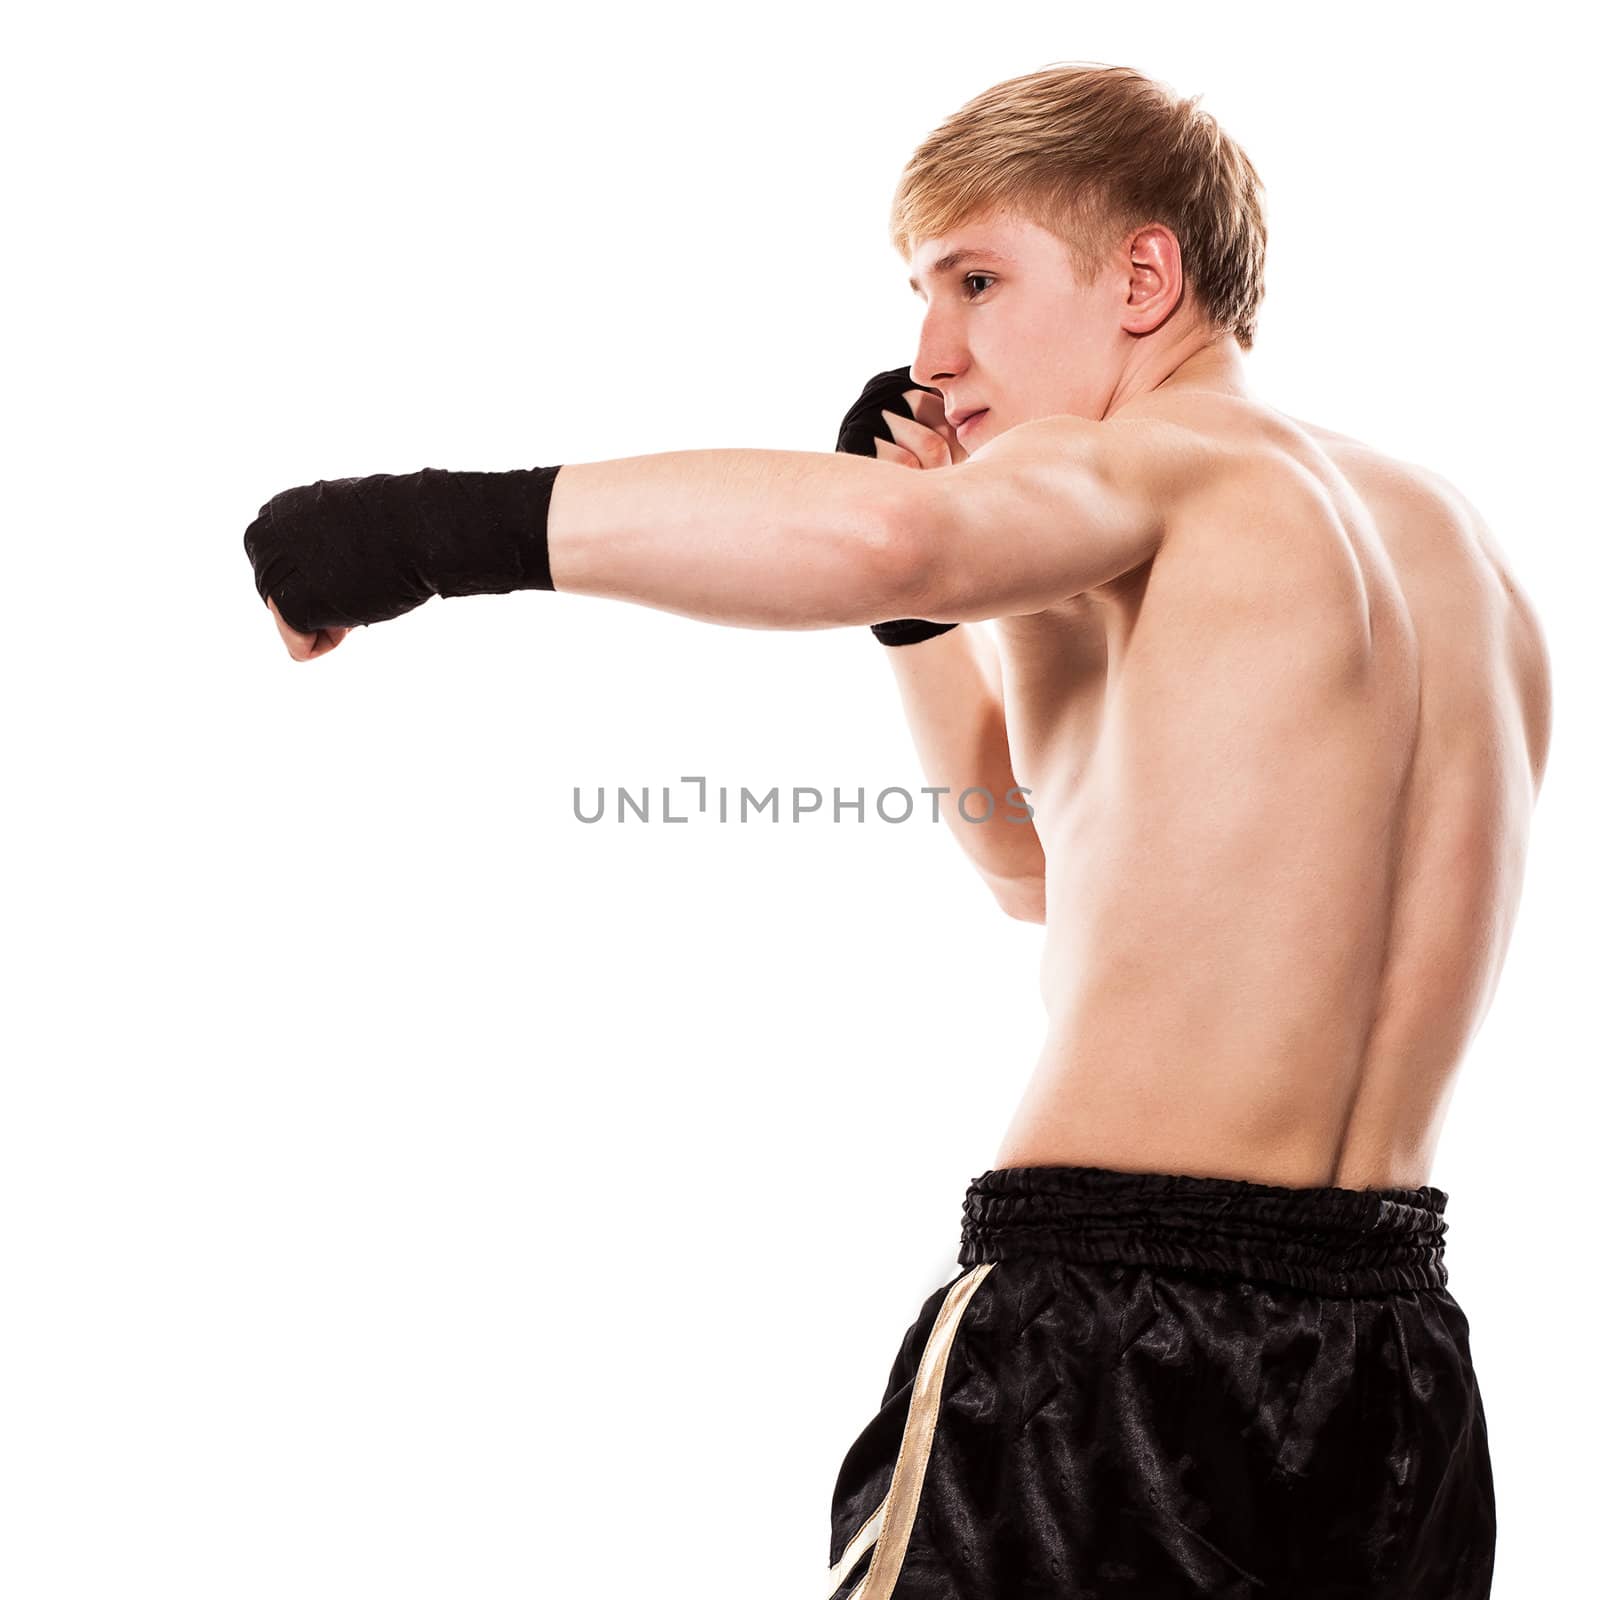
(344, 552)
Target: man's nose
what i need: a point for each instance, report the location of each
(940, 356)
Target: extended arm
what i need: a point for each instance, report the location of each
(758, 538)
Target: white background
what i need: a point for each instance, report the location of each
(408, 1190)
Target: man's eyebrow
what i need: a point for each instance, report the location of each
(955, 259)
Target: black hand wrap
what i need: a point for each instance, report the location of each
(343, 552)
(863, 423)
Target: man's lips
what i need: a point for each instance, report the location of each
(967, 422)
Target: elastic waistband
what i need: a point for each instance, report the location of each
(1329, 1240)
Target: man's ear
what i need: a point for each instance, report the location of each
(1154, 278)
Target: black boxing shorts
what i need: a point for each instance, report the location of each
(1165, 1386)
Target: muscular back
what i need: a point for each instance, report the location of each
(1282, 775)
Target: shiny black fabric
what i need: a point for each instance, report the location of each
(1173, 1386)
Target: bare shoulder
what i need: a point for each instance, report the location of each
(1420, 485)
(1163, 455)
(1158, 450)
(1442, 505)
(1424, 489)
(1202, 455)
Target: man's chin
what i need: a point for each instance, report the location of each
(984, 433)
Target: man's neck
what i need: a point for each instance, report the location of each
(1199, 361)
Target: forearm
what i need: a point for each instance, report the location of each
(755, 538)
(951, 691)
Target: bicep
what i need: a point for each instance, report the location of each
(1049, 510)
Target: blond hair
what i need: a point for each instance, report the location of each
(1092, 153)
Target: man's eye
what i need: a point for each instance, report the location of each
(971, 275)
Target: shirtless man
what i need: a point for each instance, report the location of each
(1282, 778)
(1283, 714)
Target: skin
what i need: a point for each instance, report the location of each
(1281, 706)
(1281, 829)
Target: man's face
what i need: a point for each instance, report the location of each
(1008, 328)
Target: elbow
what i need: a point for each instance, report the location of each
(901, 569)
(1020, 898)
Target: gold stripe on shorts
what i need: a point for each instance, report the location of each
(864, 1535)
(899, 1509)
